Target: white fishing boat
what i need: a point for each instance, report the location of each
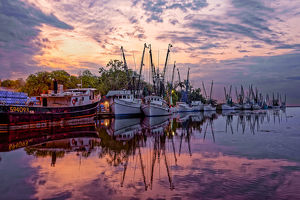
(256, 107)
(246, 106)
(228, 107)
(183, 107)
(209, 107)
(238, 106)
(155, 106)
(123, 103)
(197, 106)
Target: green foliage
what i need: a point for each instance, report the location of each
(89, 80)
(37, 83)
(196, 95)
(64, 78)
(13, 84)
(113, 78)
(41, 82)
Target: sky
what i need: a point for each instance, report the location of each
(233, 42)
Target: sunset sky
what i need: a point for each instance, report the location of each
(232, 42)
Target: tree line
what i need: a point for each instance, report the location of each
(111, 77)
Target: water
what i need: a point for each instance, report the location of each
(242, 155)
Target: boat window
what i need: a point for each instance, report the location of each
(82, 98)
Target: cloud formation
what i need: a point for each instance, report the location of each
(248, 41)
(19, 29)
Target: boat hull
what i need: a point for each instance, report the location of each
(209, 108)
(246, 107)
(15, 115)
(256, 107)
(125, 108)
(227, 107)
(184, 108)
(151, 110)
(198, 108)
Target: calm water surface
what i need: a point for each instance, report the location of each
(241, 155)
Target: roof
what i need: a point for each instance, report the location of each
(118, 92)
(82, 89)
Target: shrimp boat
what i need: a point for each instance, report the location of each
(197, 106)
(209, 107)
(123, 103)
(229, 104)
(155, 106)
(183, 107)
(69, 104)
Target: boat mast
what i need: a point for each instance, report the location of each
(152, 69)
(141, 67)
(171, 100)
(212, 83)
(166, 62)
(226, 98)
(179, 79)
(187, 86)
(187, 80)
(126, 69)
(204, 90)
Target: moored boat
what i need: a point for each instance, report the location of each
(183, 107)
(77, 103)
(123, 103)
(228, 107)
(155, 106)
(197, 106)
(209, 107)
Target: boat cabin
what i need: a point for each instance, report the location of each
(155, 100)
(69, 98)
(124, 95)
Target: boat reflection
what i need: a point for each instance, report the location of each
(19, 136)
(124, 129)
(154, 148)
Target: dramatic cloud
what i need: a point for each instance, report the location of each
(231, 42)
(19, 29)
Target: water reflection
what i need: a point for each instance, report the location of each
(229, 155)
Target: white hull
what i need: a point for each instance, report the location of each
(276, 107)
(228, 107)
(256, 107)
(198, 108)
(238, 107)
(121, 107)
(183, 107)
(209, 108)
(151, 110)
(247, 107)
